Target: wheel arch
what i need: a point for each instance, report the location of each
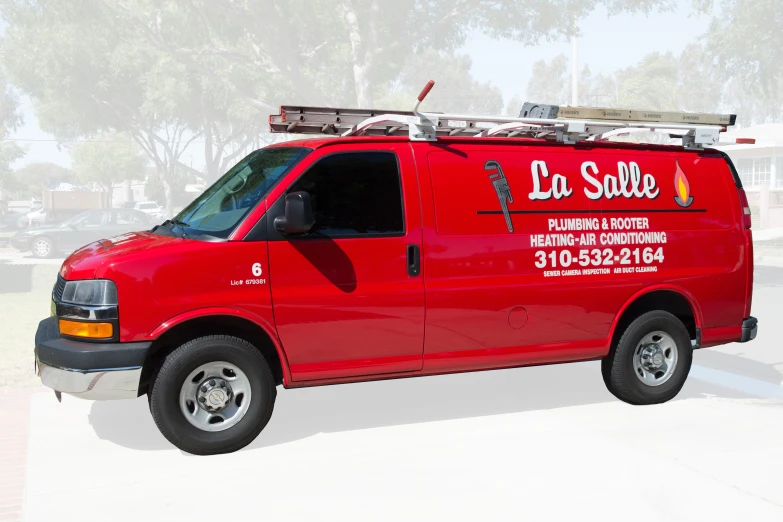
(215, 321)
(670, 298)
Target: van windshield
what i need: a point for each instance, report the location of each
(221, 207)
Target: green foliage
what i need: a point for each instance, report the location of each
(10, 119)
(109, 158)
(735, 67)
(746, 42)
(167, 72)
(9, 153)
(155, 191)
(34, 178)
(657, 82)
(216, 58)
(551, 83)
(456, 90)
(669, 82)
(328, 51)
(513, 106)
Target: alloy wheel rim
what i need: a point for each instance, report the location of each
(41, 247)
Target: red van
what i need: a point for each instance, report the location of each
(336, 260)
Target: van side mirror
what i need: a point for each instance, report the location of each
(298, 217)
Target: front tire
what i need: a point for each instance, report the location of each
(651, 361)
(213, 395)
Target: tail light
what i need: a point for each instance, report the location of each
(745, 208)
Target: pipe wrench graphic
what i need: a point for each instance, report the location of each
(501, 188)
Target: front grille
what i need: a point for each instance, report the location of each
(57, 292)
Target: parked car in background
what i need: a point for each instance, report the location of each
(87, 227)
(33, 218)
(10, 220)
(151, 208)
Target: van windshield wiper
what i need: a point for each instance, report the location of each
(181, 224)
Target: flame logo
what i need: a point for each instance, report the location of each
(682, 188)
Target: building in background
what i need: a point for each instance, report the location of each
(760, 167)
(128, 191)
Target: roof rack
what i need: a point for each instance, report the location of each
(564, 124)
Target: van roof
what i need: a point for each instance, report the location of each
(317, 143)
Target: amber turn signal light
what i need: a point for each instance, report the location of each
(91, 330)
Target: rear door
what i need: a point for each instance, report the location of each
(345, 302)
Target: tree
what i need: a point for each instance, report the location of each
(668, 82)
(551, 83)
(154, 189)
(171, 73)
(10, 119)
(93, 76)
(37, 177)
(316, 52)
(746, 42)
(659, 81)
(109, 158)
(456, 90)
(513, 106)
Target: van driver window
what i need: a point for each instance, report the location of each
(355, 195)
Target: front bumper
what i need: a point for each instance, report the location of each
(86, 369)
(750, 328)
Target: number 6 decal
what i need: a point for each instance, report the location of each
(257, 269)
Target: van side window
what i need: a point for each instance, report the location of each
(355, 195)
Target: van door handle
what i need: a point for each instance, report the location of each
(414, 262)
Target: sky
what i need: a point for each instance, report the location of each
(607, 44)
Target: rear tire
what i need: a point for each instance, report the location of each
(651, 361)
(189, 389)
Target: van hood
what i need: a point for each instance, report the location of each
(89, 260)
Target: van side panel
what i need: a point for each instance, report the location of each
(545, 281)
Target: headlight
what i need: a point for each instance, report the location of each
(94, 292)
